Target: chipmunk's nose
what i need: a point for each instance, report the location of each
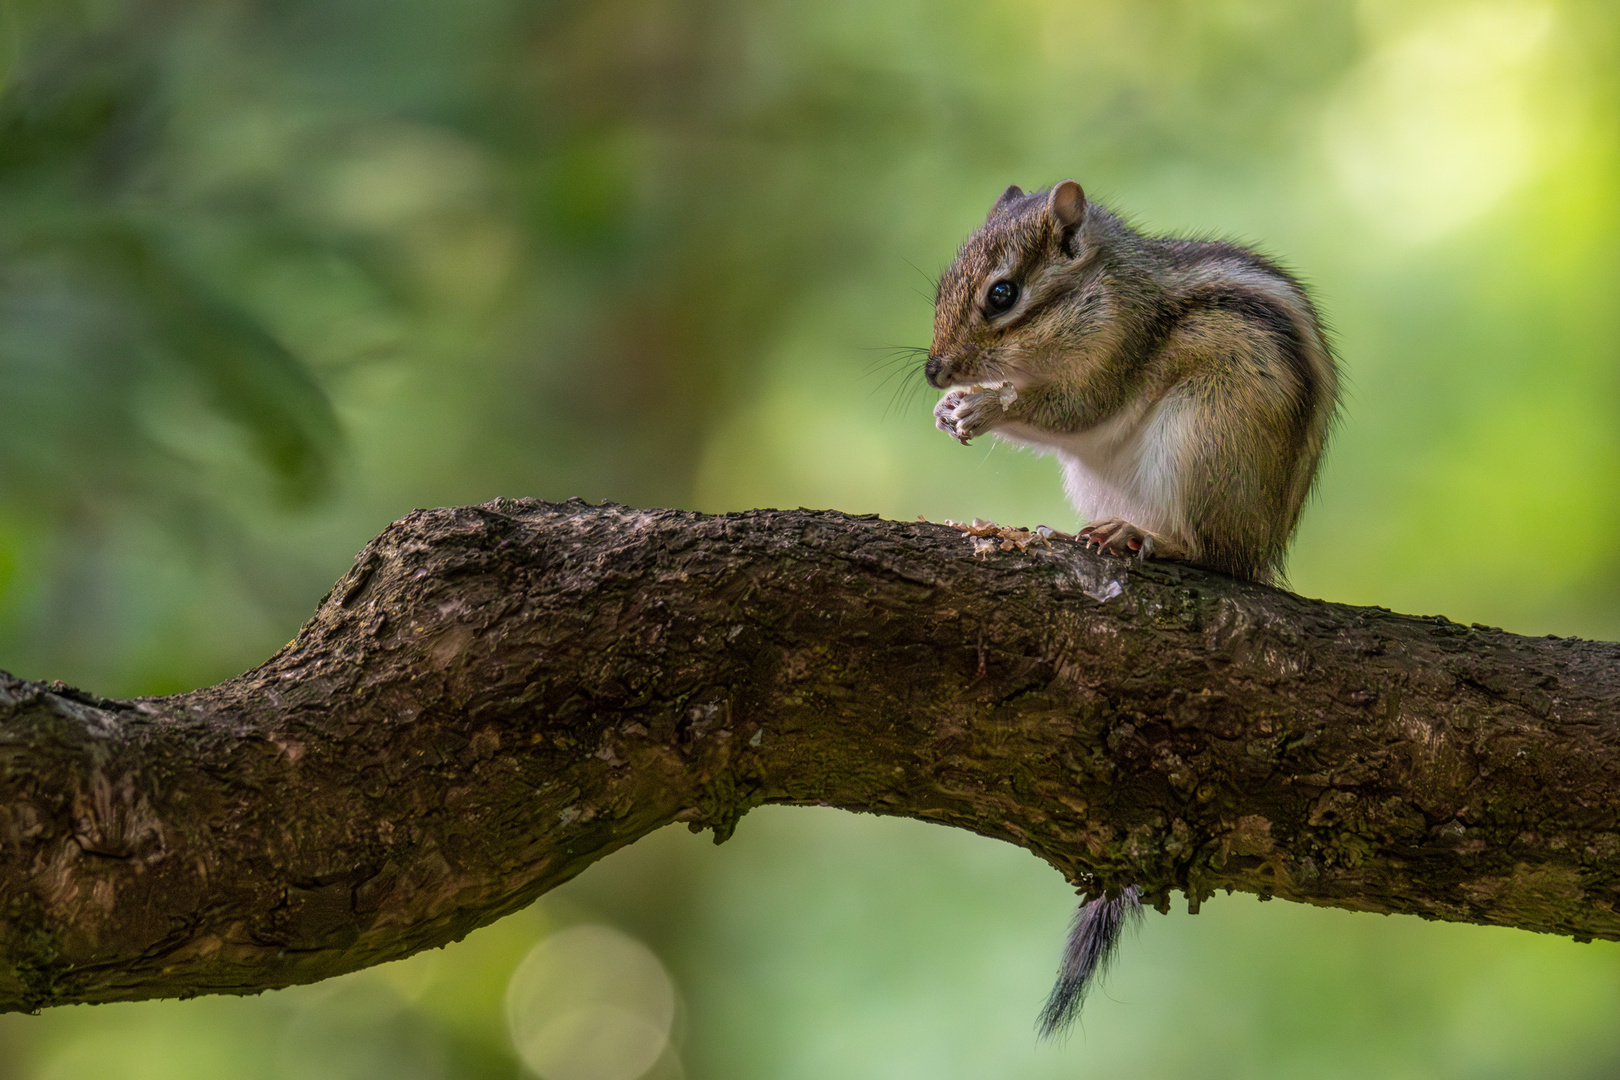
(932, 369)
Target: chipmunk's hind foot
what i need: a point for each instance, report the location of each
(1119, 537)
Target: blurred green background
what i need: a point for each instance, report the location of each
(275, 272)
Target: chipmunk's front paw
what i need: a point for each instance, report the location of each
(1117, 536)
(962, 414)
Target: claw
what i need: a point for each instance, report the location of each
(1118, 537)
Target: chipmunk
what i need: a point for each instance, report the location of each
(1186, 387)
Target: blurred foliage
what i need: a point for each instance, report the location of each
(273, 274)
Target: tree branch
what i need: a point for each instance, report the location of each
(494, 697)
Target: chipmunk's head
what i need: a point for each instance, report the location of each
(1001, 305)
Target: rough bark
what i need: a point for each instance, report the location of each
(496, 696)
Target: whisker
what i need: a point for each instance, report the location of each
(933, 281)
(894, 356)
(899, 370)
(914, 388)
(899, 350)
(896, 372)
(904, 393)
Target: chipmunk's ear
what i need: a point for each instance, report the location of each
(1013, 192)
(1067, 205)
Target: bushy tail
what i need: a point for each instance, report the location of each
(1093, 937)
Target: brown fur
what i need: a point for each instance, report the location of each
(1188, 381)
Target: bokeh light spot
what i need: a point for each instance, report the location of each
(590, 1003)
(1435, 127)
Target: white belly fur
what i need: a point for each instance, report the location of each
(1126, 467)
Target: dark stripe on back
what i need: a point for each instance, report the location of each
(1270, 316)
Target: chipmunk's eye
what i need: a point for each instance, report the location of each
(1002, 295)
